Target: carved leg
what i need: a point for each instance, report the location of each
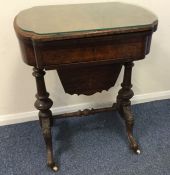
(43, 104)
(124, 105)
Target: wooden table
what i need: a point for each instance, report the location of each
(87, 44)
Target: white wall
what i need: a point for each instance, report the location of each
(17, 86)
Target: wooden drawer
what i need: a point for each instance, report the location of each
(132, 46)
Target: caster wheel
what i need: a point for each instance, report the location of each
(54, 167)
(138, 151)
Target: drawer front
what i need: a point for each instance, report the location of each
(94, 49)
(131, 46)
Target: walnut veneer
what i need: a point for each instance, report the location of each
(87, 44)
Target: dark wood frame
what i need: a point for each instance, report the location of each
(104, 51)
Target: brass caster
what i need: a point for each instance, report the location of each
(138, 151)
(54, 167)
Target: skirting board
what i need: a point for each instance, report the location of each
(32, 115)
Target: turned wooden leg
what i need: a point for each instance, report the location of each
(43, 104)
(124, 105)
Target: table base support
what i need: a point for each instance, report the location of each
(124, 105)
(44, 103)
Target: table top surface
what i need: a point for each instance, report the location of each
(68, 19)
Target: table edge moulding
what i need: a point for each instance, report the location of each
(88, 54)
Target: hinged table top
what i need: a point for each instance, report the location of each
(68, 20)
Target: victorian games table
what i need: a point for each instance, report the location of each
(87, 44)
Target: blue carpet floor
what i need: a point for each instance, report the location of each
(94, 145)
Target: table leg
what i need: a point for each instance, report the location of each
(124, 105)
(43, 104)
